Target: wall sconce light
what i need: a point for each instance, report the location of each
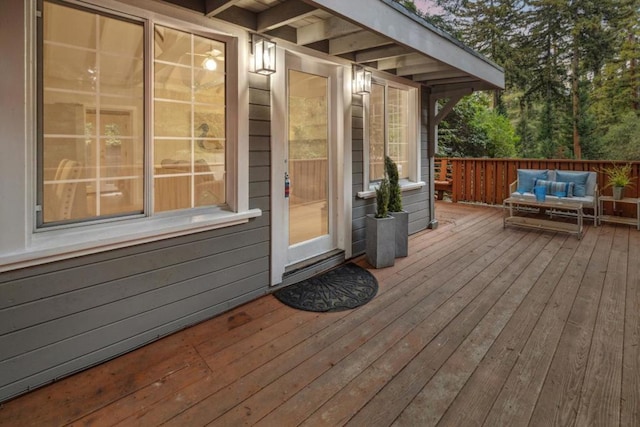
(264, 55)
(361, 80)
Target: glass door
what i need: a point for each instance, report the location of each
(308, 154)
(306, 180)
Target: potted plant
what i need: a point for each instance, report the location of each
(618, 177)
(395, 208)
(381, 231)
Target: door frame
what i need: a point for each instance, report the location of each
(339, 159)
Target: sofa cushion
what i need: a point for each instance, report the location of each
(527, 178)
(587, 201)
(579, 178)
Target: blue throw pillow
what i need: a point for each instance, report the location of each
(553, 188)
(527, 179)
(578, 178)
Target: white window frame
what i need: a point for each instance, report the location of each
(414, 181)
(25, 245)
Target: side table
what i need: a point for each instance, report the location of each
(618, 219)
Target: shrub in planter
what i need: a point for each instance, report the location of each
(395, 208)
(381, 230)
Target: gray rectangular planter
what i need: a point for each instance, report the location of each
(402, 233)
(381, 238)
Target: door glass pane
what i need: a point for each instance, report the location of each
(376, 133)
(308, 154)
(92, 115)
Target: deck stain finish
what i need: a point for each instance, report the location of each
(479, 325)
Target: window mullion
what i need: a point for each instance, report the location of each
(98, 136)
(148, 135)
(385, 119)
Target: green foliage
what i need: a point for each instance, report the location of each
(501, 136)
(618, 175)
(571, 72)
(395, 194)
(472, 129)
(458, 134)
(382, 199)
(622, 141)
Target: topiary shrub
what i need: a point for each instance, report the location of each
(395, 194)
(382, 199)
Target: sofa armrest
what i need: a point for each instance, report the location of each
(513, 187)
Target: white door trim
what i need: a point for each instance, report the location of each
(339, 163)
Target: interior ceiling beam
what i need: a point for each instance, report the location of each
(214, 7)
(357, 41)
(283, 14)
(379, 53)
(326, 29)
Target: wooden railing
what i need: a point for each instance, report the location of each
(308, 180)
(487, 180)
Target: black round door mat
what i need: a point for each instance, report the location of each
(345, 287)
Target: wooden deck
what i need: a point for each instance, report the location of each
(480, 325)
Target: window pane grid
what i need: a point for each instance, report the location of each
(389, 132)
(190, 121)
(92, 115)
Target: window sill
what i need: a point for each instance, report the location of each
(404, 186)
(55, 245)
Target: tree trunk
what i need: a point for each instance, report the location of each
(575, 87)
(633, 78)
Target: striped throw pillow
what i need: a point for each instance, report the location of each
(554, 188)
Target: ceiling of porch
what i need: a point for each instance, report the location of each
(380, 35)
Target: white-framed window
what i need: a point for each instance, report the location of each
(391, 129)
(136, 122)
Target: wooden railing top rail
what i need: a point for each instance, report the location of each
(483, 180)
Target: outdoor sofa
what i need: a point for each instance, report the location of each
(579, 186)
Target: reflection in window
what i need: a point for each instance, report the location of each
(376, 132)
(189, 123)
(92, 115)
(389, 131)
(92, 145)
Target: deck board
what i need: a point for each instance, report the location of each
(558, 399)
(519, 394)
(479, 325)
(600, 394)
(630, 401)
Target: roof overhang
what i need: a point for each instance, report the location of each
(379, 34)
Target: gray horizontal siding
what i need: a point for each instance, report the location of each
(58, 318)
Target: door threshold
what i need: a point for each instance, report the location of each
(303, 270)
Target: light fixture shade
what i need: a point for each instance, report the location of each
(209, 63)
(264, 56)
(361, 80)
